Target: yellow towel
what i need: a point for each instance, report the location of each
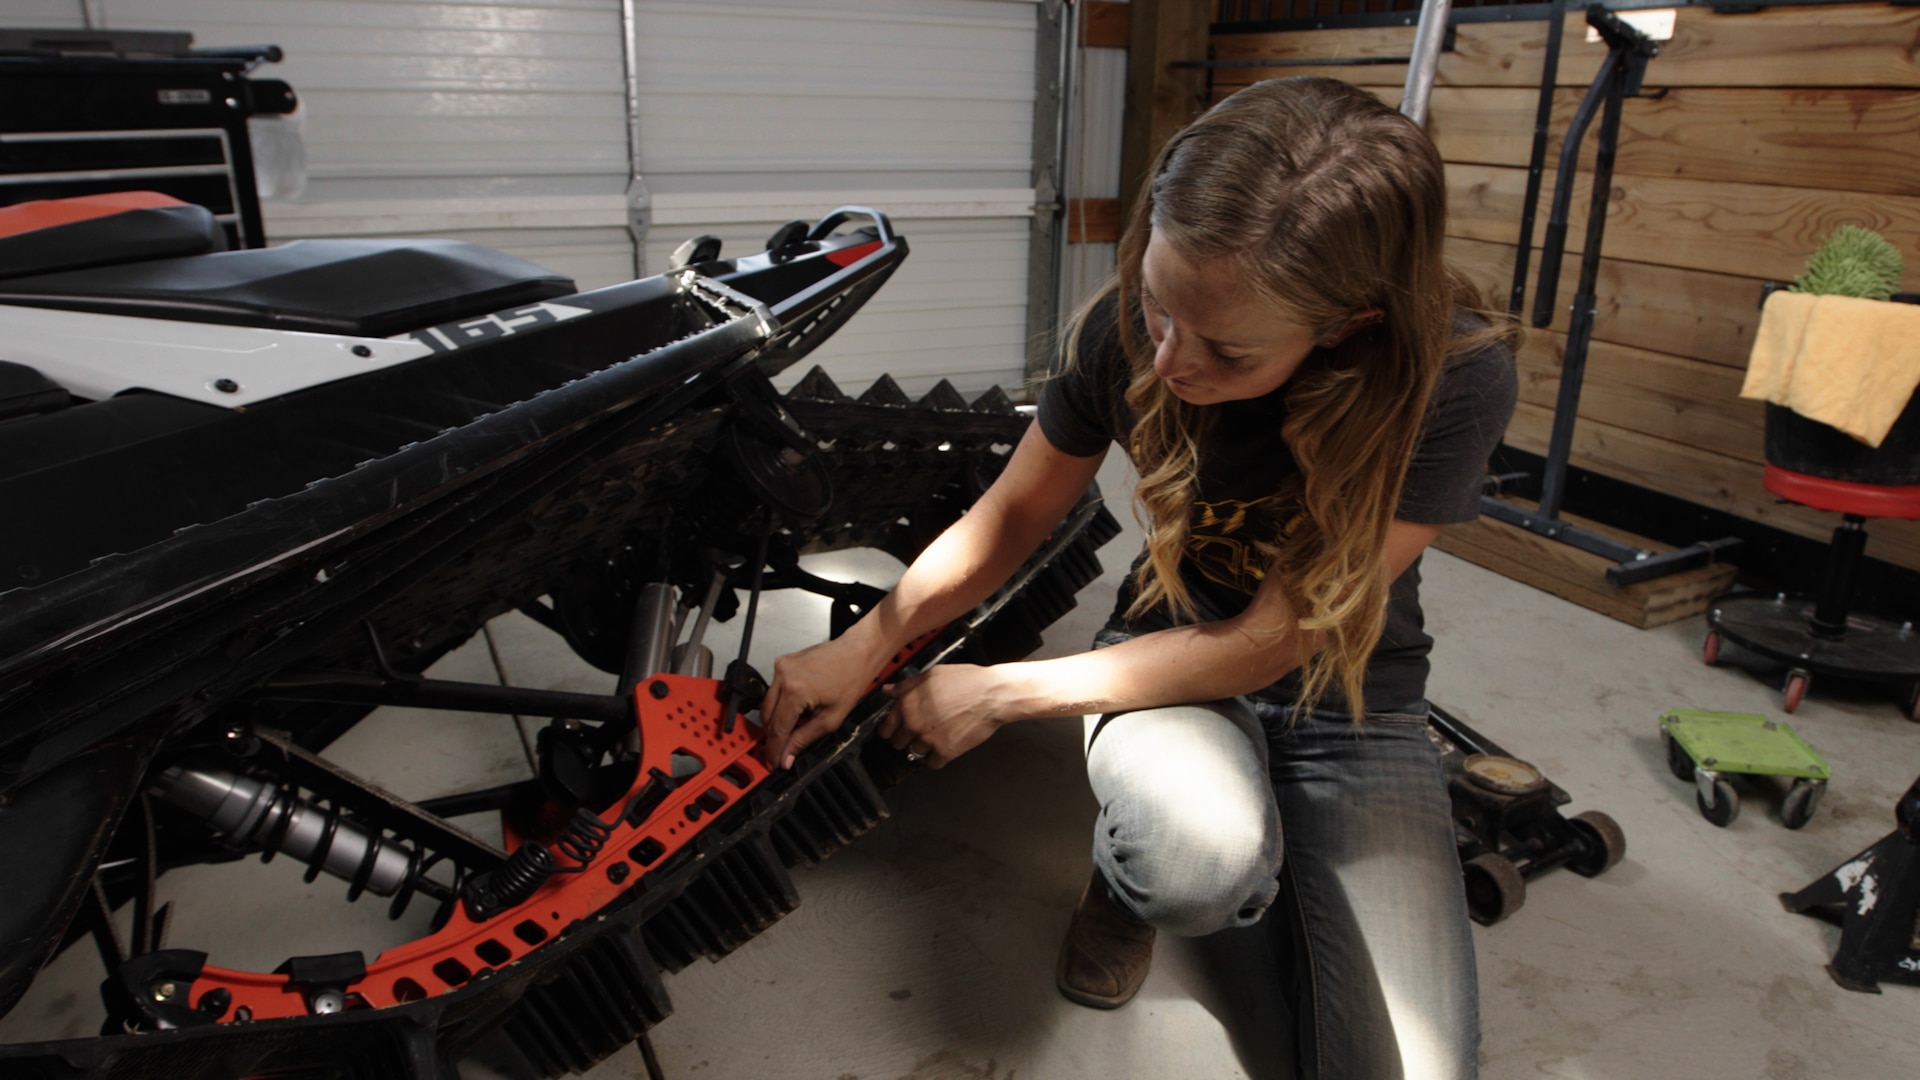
(1846, 362)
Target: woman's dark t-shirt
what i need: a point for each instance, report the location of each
(1244, 466)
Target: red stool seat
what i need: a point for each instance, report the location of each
(1839, 496)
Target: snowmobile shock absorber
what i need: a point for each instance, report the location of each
(274, 818)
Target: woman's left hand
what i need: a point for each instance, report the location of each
(943, 712)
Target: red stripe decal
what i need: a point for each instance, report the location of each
(46, 213)
(849, 256)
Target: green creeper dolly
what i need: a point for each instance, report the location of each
(1706, 748)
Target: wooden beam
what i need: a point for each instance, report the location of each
(1575, 575)
(1842, 140)
(1686, 402)
(1749, 230)
(1703, 477)
(1161, 99)
(1690, 313)
(1093, 221)
(1843, 45)
(1105, 24)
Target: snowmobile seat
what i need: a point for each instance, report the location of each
(48, 235)
(362, 288)
(24, 392)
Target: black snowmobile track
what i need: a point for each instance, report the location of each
(598, 986)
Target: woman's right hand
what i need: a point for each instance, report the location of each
(811, 693)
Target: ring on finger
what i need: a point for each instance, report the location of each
(915, 755)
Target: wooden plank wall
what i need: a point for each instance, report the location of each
(1773, 128)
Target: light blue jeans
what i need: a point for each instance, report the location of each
(1374, 939)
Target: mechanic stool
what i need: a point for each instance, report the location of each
(1824, 636)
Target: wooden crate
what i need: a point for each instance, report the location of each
(1572, 574)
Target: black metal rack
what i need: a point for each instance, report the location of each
(1619, 77)
(100, 111)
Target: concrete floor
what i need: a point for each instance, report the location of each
(926, 950)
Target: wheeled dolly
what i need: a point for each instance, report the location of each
(1507, 822)
(1705, 749)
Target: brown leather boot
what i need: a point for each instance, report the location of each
(1106, 955)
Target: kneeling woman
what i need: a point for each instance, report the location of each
(1308, 397)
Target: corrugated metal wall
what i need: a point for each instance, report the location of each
(498, 122)
(1093, 161)
(755, 112)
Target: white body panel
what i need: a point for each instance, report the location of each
(98, 356)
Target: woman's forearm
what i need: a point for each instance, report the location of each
(1204, 662)
(979, 552)
(946, 711)
(972, 558)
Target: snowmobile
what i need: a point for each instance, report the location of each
(248, 496)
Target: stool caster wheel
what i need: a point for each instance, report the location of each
(1796, 689)
(1710, 649)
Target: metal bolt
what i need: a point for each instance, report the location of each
(226, 386)
(362, 350)
(658, 689)
(327, 1002)
(215, 1002)
(166, 991)
(570, 725)
(243, 1014)
(617, 872)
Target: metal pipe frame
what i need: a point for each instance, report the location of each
(1425, 62)
(1537, 157)
(1573, 363)
(1054, 73)
(360, 688)
(1619, 76)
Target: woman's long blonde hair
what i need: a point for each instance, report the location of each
(1328, 204)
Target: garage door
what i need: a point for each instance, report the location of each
(755, 112)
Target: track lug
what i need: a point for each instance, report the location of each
(943, 398)
(885, 391)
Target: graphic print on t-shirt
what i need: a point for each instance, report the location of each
(1224, 537)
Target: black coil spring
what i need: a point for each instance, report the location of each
(531, 864)
(528, 868)
(584, 838)
(279, 821)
